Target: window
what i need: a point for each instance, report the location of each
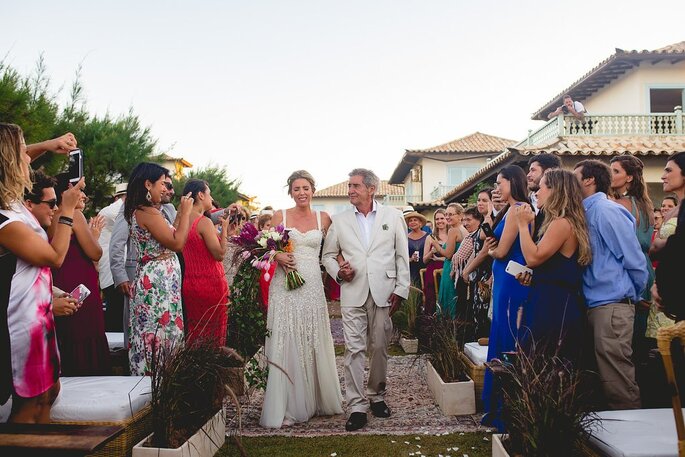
(416, 174)
(457, 174)
(665, 100)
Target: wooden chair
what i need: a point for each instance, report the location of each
(422, 276)
(665, 337)
(437, 276)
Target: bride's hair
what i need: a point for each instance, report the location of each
(300, 174)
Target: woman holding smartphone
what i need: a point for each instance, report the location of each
(553, 313)
(82, 341)
(28, 347)
(508, 294)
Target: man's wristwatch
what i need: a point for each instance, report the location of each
(338, 279)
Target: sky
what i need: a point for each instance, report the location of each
(268, 87)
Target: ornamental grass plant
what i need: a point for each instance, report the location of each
(446, 343)
(188, 383)
(404, 320)
(548, 407)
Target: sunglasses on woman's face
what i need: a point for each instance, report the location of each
(51, 203)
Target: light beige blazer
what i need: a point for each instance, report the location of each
(382, 268)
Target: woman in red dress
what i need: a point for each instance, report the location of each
(205, 290)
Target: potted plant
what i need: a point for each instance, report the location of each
(453, 390)
(188, 387)
(547, 408)
(404, 320)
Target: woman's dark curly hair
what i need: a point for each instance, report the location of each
(136, 192)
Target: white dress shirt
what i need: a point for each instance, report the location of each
(366, 222)
(109, 213)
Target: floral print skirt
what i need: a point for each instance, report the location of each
(156, 314)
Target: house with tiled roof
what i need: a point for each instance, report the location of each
(334, 199)
(634, 103)
(428, 174)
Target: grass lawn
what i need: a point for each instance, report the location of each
(467, 444)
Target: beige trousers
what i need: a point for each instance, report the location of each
(612, 329)
(366, 328)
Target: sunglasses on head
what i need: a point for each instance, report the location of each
(51, 203)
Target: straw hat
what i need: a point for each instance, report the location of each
(417, 215)
(120, 189)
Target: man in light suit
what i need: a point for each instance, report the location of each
(374, 276)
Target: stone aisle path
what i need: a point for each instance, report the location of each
(412, 405)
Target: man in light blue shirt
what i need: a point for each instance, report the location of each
(612, 284)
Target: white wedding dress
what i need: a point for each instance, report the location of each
(300, 342)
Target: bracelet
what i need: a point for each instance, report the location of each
(66, 221)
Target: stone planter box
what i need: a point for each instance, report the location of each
(453, 398)
(497, 446)
(205, 443)
(409, 345)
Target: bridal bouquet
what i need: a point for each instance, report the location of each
(260, 248)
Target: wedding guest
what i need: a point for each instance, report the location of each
(265, 277)
(508, 294)
(667, 289)
(478, 271)
(553, 314)
(28, 345)
(433, 260)
(114, 299)
(156, 314)
(537, 165)
(669, 212)
(612, 284)
(447, 296)
(417, 239)
(237, 213)
(471, 222)
(629, 190)
(205, 291)
(83, 346)
(123, 253)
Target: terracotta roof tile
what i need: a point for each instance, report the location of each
(340, 190)
(589, 146)
(476, 142)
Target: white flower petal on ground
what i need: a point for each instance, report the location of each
(334, 454)
(485, 438)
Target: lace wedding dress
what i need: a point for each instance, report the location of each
(303, 379)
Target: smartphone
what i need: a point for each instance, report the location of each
(514, 268)
(75, 165)
(80, 293)
(487, 230)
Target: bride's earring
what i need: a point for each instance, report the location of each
(148, 197)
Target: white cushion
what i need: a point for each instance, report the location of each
(101, 398)
(637, 433)
(115, 340)
(476, 353)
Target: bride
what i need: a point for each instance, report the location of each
(303, 380)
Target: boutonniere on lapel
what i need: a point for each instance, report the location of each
(385, 226)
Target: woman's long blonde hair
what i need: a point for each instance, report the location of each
(13, 182)
(436, 230)
(565, 201)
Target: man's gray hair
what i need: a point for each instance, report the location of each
(369, 178)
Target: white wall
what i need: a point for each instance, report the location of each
(332, 205)
(435, 172)
(630, 93)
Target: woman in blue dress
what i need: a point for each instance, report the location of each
(553, 314)
(508, 294)
(447, 296)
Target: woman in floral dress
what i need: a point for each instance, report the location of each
(156, 314)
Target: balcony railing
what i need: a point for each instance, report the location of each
(608, 125)
(400, 200)
(439, 191)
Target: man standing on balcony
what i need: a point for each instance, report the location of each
(612, 284)
(575, 109)
(537, 165)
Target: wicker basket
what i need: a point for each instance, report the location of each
(135, 429)
(475, 372)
